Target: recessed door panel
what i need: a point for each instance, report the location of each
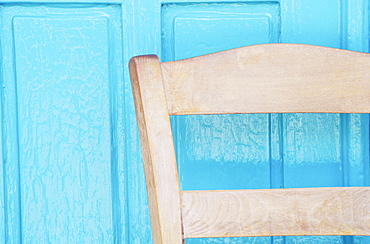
(60, 90)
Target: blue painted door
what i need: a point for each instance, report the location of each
(264, 150)
(71, 167)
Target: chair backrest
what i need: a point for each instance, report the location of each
(270, 78)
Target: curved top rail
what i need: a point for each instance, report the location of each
(270, 78)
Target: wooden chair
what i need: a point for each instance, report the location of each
(271, 78)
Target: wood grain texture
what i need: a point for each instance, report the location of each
(157, 149)
(280, 212)
(271, 78)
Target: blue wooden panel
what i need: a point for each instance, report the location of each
(232, 149)
(62, 82)
(314, 22)
(312, 150)
(70, 145)
(208, 28)
(2, 170)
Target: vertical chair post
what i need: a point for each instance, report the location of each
(157, 149)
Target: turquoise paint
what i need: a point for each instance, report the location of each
(62, 89)
(72, 168)
(227, 26)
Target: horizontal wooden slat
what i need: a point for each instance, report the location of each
(271, 78)
(278, 212)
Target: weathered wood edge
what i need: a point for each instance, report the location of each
(157, 149)
(267, 45)
(270, 78)
(292, 212)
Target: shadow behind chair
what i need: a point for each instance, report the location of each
(270, 78)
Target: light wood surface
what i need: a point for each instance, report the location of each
(257, 79)
(271, 78)
(157, 150)
(307, 211)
